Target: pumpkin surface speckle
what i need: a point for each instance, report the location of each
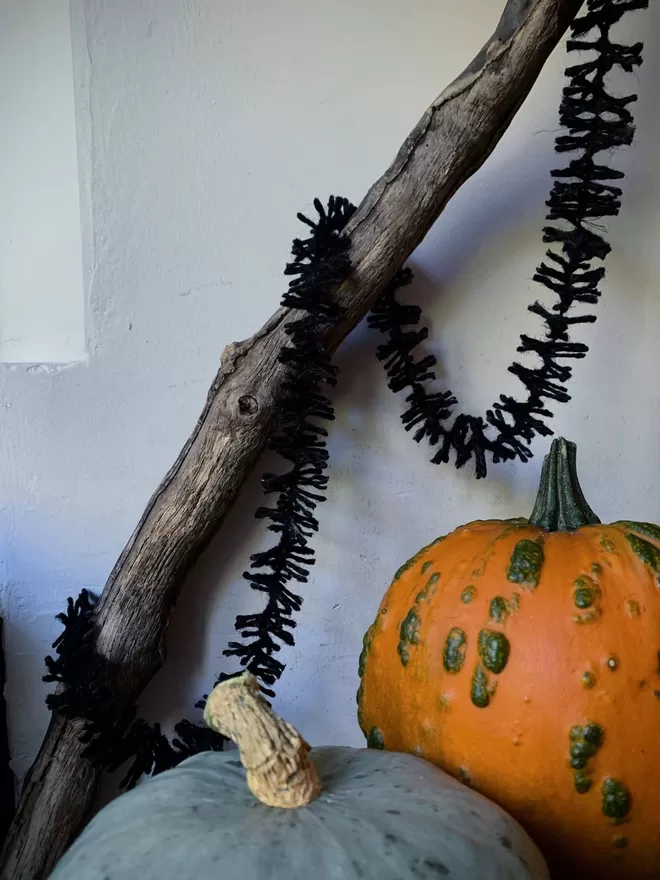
(200, 822)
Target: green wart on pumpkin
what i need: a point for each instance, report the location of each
(585, 592)
(367, 641)
(494, 650)
(408, 634)
(481, 690)
(645, 552)
(375, 739)
(499, 609)
(526, 563)
(647, 530)
(616, 800)
(429, 589)
(453, 655)
(410, 625)
(584, 745)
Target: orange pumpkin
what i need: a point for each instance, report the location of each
(523, 657)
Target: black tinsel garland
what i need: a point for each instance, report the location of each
(115, 735)
(583, 192)
(320, 263)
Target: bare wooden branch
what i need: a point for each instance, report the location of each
(450, 142)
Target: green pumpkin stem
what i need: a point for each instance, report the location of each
(560, 505)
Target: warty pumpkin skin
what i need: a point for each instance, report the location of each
(333, 813)
(524, 659)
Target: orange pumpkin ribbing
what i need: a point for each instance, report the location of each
(579, 615)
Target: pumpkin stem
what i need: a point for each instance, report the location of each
(560, 505)
(280, 772)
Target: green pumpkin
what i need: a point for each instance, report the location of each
(336, 813)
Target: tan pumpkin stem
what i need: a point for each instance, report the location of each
(280, 772)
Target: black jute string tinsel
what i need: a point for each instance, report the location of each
(319, 264)
(583, 192)
(114, 735)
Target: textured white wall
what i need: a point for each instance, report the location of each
(203, 126)
(42, 303)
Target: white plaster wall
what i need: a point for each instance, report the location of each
(203, 126)
(42, 305)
